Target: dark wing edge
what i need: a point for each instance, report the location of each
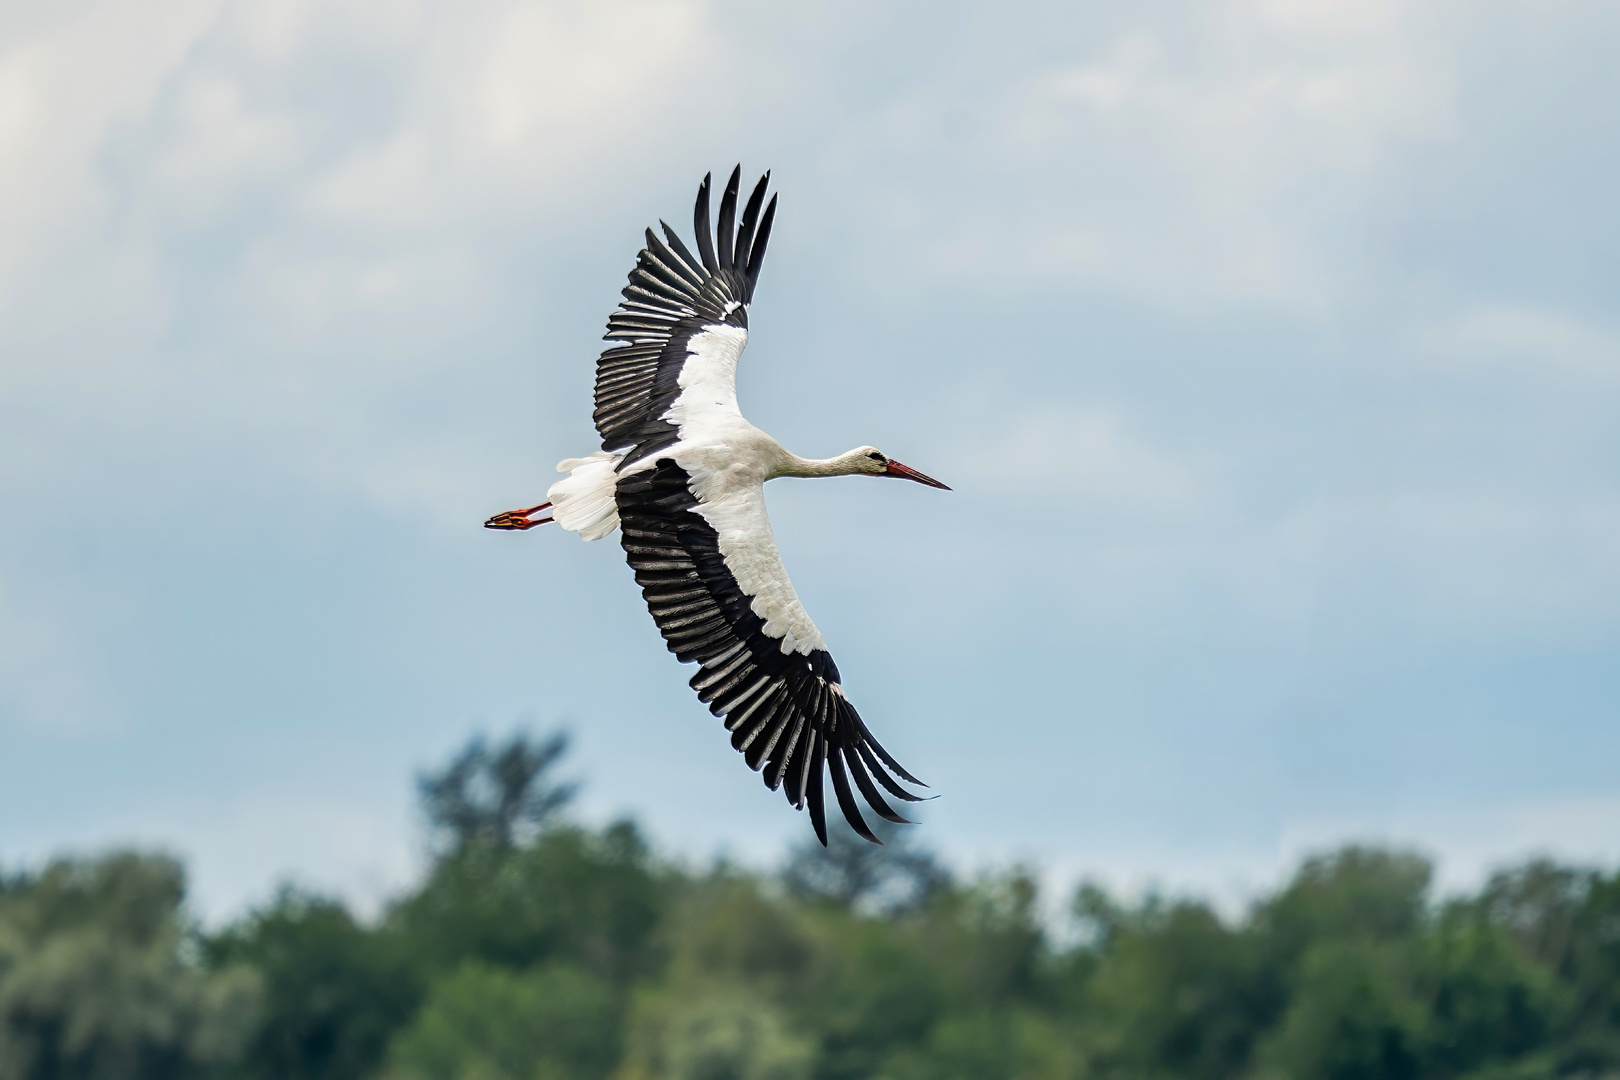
(672, 295)
(786, 712)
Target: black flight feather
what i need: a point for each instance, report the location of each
(700, 225)
(756, 255)
(868, 790)
(686, 283)
(877, 748)
(846, 800)
(813, 794)
(723, 230)
(889, 783)
(750, 218)
(691, 267)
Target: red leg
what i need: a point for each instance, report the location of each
(518, 519)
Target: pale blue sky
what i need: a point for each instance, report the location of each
(1270, 347)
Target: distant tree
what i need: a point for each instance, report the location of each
(538, 949)
(99, 979)
(724, 1035)
(497, 795)
(1569, 921)
(728, 1004)
(1540, 904)
(1490, 1003)
(1356, 893)
(589, 898)
(1356, 1012)
(890, 877)
(1171, 991)
(554, 1022)
(334, 989)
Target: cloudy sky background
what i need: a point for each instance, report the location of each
(1270, 346)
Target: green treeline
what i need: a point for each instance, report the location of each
(536, 949)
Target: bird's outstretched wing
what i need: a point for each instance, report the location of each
(781, 698)
(673, 297)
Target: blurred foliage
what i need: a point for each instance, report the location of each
(335, 991)
(536, 949)
(853, 872)
(483, 1022)
(101, 977)
(498, 795)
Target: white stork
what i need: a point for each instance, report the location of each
(681, 474)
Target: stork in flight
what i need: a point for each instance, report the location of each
(681, 475)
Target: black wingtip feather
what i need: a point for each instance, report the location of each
(885, 756)
(869, 791)
(700, 225)
(750, 220)
(815, 797)
(724, 230)
(846, 798)
(756, 254)
(889, 783)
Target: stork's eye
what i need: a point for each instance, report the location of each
(875, 456)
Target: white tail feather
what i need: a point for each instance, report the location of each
(583, 502)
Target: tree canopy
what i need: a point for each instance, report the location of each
(534, 948)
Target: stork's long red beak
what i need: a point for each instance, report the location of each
(906, 472)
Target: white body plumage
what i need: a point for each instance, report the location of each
(728, 460)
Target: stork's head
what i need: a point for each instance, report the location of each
(870, 461)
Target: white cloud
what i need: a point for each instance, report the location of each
(1216, 154)
(1121, 529)
(1528, 340)
(218, 145)
(1092, 456)
(1481, 561)
(65, 85)
(560, 78)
